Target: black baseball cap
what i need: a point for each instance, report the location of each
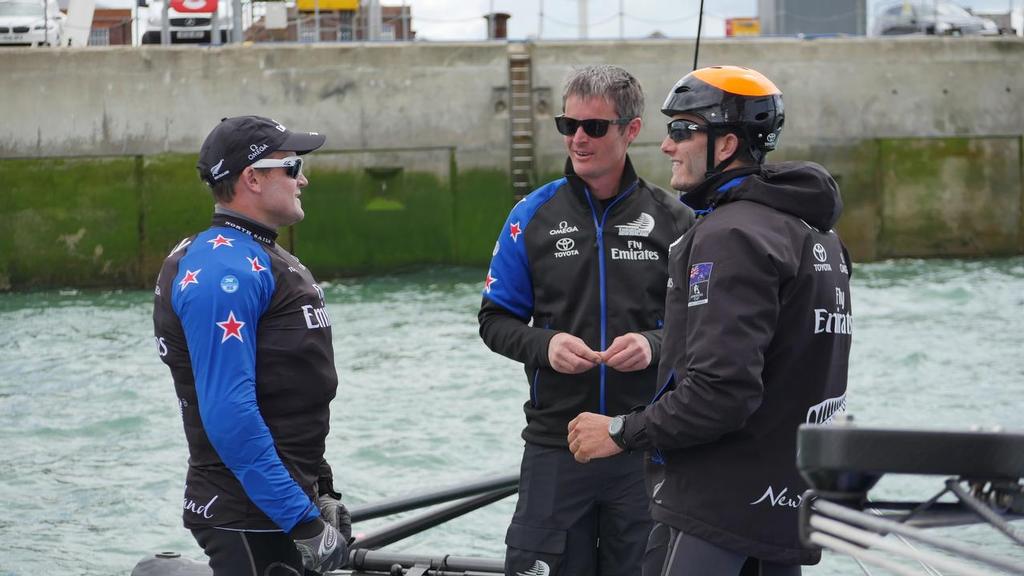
(241, 140)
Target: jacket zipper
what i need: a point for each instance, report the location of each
(599, 226)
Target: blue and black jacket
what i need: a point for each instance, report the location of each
(567, 262)
(244, 329)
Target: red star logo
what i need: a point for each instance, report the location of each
(232, 328)
(256, 266)
(221, 241)
(189, 278)
(514, 231)
(490, 280)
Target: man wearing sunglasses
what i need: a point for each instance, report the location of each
(575, 292)
(758, 327)
(244, 329)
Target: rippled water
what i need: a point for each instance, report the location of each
(92, 456)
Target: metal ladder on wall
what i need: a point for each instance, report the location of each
(521, 118)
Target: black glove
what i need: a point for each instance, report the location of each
(321, 546)
(336, 514)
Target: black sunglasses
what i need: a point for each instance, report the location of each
(679, 130)
(292, 165)
(593, 127)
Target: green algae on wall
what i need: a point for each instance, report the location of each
(361, 221)
(110, 221)
(483, 199)
(175, 205)
(366, 221)
(69, 222)
(950, 196)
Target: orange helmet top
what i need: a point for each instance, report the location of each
(737, 80)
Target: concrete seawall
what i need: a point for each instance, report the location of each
(97, 146)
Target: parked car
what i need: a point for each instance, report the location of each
(30, 23)
(185, 27)
(931, 17)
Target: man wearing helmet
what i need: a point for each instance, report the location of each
(758, 327)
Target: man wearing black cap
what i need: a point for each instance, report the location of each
(244, 329)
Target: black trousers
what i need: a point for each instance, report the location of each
(577, 518)
(670, 552)
(237, 553)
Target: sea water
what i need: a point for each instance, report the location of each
(93, 457)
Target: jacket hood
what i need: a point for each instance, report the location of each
(803, 189)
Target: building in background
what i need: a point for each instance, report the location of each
(812, 17)
(111, 27)
(330, 21)
(396, 24)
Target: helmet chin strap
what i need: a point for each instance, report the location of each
(714, 170)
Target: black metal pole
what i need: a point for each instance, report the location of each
(983, 510)
(377, 560)
(429, 498)
(405, 528)
(700, 24)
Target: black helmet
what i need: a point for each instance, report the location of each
(731, 99)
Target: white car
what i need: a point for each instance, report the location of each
(30, 23)
(939, 17)
(185, 27)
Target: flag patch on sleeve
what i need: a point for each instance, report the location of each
(700, 279)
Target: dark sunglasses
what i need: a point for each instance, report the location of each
(593, 127)
(292, 165)
(679, 130)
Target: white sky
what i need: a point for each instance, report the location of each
(450, 20)
(463, 19)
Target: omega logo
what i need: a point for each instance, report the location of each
(563, 228)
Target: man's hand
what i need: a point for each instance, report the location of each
(571, 355)
(628, 353)
(336, 514)
(588, 437)
(321, 546)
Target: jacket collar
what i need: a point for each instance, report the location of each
(230, 219)
(709, 193)
(626, 182)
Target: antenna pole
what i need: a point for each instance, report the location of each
(700, 23)
(583, 18)
(540, 21)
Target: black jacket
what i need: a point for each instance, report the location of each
(568, 263)
(243, 327)
(757, 341)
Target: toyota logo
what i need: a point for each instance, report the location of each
(819, 253)
(564, 244)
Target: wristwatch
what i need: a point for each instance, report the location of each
(616, 429)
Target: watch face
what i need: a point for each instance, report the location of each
(615, 426)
